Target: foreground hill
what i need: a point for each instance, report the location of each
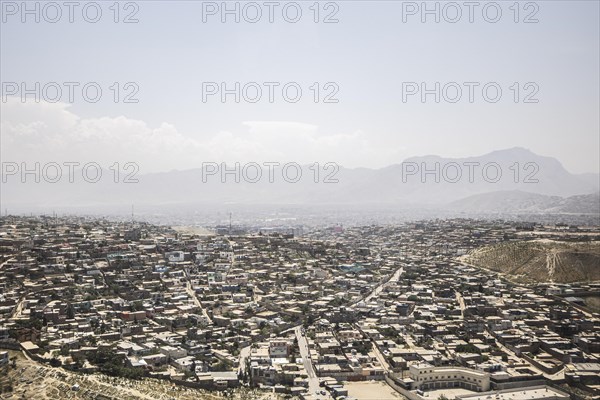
(541, 261)
(29, 379)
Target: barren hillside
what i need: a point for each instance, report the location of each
(541, 260)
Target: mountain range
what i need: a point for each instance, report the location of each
(515, 179)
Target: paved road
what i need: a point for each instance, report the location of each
(381, 359)
(244, 354)
(190, 291)
(313, 380)
(394, 277)
(19, 308)
(461, 303)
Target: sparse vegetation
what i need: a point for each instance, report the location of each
(541, 261)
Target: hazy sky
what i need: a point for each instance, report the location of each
(368, 55)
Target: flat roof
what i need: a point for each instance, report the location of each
(535, 393)
(29, 346)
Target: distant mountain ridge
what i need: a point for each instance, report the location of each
(516, 179)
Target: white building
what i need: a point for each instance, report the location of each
(175, 256)
(278, 348)
(428, 377)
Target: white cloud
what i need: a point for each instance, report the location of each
(52, 132)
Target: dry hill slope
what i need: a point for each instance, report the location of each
(541, 260)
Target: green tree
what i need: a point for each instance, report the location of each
(70, 311)
(55, 362)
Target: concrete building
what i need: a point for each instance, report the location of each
(428, 377)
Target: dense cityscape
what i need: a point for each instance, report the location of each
(401, 311)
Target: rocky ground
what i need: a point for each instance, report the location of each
(33, 380)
